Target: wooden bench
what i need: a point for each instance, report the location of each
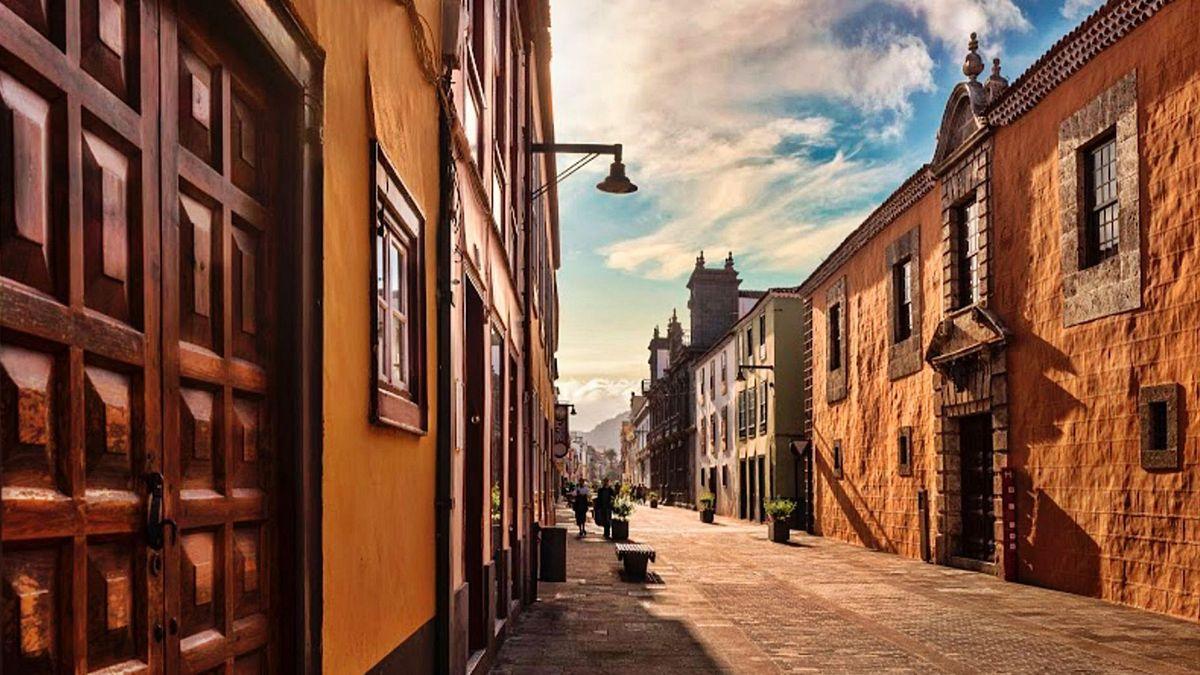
(635, 557)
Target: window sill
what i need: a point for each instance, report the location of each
(392, 410)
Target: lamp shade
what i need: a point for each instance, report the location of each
(616, 182)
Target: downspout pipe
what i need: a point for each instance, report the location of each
(444, 503)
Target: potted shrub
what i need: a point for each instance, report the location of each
(708, 503)
(779, 510)
(653, 499)
(621, 510)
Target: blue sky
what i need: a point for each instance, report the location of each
(768, 128)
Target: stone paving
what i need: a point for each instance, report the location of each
(724, 599)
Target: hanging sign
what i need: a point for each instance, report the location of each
(562, 430)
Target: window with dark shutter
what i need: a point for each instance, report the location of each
(902, 285)
(835, 336)
(398, 331)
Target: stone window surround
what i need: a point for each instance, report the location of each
(835, 380)
(968, 181)
(904, 358)
(904, 437)
(1158, 460)
(1114, 285)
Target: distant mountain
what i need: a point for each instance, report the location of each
(606, 434)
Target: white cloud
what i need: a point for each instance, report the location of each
(953, 21)
(703, 97)
(1077, 9)
(596, 399)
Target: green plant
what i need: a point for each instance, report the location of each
(779, 508)
(496, 503)
(708, 500)
(622, 507)
(653, 496)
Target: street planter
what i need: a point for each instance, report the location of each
(620, 530)
(708, 506)
(654, 503)
(779, 510)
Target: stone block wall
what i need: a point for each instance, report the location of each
(873, 504)
(1092, 519)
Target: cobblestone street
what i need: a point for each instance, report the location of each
(724, 599)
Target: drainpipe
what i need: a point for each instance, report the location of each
(444, 502)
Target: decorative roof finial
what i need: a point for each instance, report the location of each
(996, 84)
(973, 64)
(700, 260)
(729, 261)
(656, 335)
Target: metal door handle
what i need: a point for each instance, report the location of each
(155, 523)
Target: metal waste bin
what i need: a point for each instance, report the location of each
(553, 557)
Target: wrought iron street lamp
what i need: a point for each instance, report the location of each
(616, 182)
(741, 376)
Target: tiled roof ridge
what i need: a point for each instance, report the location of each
(1102, 28)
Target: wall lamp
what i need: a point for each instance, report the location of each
(741, 376)
(614, 183)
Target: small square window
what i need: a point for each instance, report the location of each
(1158, 412)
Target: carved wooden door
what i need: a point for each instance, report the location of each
(977, 488)
(132, 344)
(79, 349)
(219, 231)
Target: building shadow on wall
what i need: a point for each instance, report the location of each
(845, 494)
(1054, 403)
(1055, 551)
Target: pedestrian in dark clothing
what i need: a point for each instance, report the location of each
(580, 499)
(604, 503)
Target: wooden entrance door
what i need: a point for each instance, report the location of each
(221, 234)
(136, 251)
(978, 498)
(80, 407)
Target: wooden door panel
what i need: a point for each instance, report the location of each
(218, 326)
(80, 387)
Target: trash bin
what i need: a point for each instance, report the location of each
(553, 557)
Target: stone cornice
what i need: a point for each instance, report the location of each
(1113, 21)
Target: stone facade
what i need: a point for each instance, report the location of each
(1114, 285)
(1049, 436)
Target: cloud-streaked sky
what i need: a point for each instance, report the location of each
(768, 128)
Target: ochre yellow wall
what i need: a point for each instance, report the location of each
(872, 504)
(378, 484)
(1091, 520)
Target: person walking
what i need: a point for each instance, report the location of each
(581, 499)
(604, 504)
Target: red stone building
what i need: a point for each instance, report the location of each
(1003, 355)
